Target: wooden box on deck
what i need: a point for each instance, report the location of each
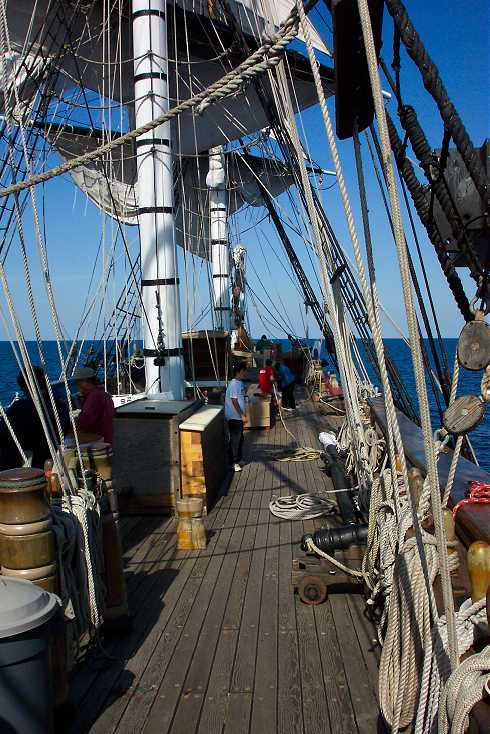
(146, 463)
(258, 408)
(203, 463)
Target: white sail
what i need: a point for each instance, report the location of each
(115, 192)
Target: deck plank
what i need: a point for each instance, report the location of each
(221, 643)
(199, 672)
(163, 653)
(362, 695)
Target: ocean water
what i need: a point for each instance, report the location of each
(469, 382)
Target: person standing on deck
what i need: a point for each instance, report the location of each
(235, 414)
(266, 377)
(94, 423)
(286, 381)
(263, 343)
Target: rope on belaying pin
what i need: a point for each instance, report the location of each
(408, 629)
(443, 561)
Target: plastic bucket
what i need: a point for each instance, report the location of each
(28, 618)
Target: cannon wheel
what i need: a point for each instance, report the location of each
(312, 590)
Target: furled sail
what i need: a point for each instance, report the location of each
(94, 52)
(110, 185)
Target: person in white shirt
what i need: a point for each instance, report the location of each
(235, 413)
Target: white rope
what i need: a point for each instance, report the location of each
(312, 548)
(463, 690)
(302, 506)
(267, 56)
(437, 670)
(333, 300)
(85, 508)
(408, 631)
(412, 326)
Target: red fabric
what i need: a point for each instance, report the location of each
(477, 493)
(266, 375)
(334, 391)
(97, 414)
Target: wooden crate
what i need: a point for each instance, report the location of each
(258, 408)
(203, 462)
(146, 463)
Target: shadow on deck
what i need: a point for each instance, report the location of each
(220, 642)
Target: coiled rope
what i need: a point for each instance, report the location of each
(303, 453)
(463, 690)
(302, 506)
(478, 493)
(436, 670)
(408, 631)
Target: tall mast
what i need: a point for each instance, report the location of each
(162, 334)
(216, 182)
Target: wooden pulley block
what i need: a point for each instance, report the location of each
(463, 415)
(474, 346)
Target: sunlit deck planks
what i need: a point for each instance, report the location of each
(220, 643)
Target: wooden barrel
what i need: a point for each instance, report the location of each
(98, 458)
(28, 550)
(27, 547)
(23, 496)
(191, 534)
(189, 507)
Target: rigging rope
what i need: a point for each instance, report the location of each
(430, 456)
(265, 57)
(433, 83)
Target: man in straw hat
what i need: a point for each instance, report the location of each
(95, 419)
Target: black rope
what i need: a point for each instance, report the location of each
(433, 83)
(396, 63)
(441, 167)
(423, 152)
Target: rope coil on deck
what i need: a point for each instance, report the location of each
(301, 506)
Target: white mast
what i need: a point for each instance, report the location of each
(216, 182)
(159, 284)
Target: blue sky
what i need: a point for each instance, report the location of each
(457, 37)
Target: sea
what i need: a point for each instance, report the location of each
(469, 382)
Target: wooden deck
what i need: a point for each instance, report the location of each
(220, 643)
